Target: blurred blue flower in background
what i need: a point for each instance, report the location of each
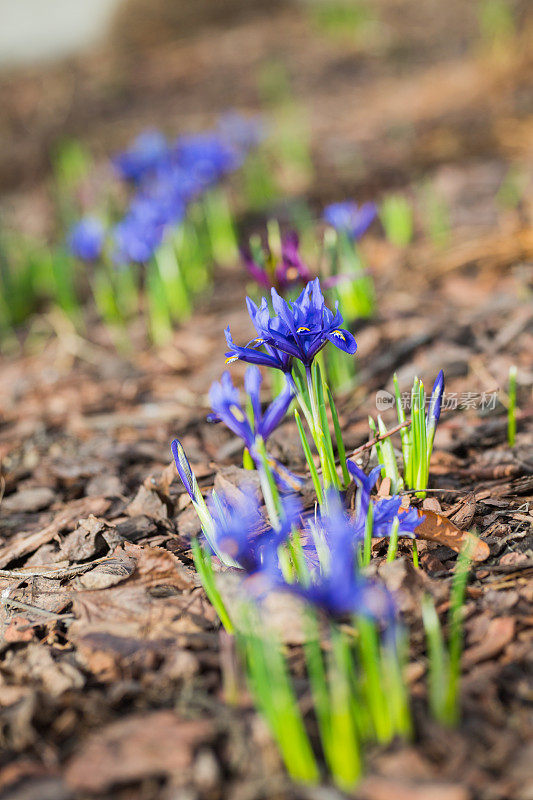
(206, 156)
(349, 218)
(138, 235)
(86, 238)
(242, 133)
(149, 151)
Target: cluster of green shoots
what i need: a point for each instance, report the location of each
(417, 437)
(344, 687)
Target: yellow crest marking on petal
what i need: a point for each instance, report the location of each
(237, 413)
(231, 359)
(303, 328)
(257, 341)
(340, 335)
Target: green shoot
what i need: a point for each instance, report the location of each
(393, 540)
(271, 686)
(309, 458)
(417, 438)
(511, 410)
(221, 228)
(202, 562)
(367, 541)
(159, 317)
(455, 621)
(268, 484)
(174, 295)
(444, 665)
(396, 216)
(372, 679)
(389, 458)
(341, 450)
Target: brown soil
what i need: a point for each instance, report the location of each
(96, 665)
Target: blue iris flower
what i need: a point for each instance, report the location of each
(341, 588)
(365, 484)
(299, 329)
(224, 397)
(86, 239)
(240, 531)
(149, 151)
(385, 510)
(139, 233)
(206, 156)
(349, 218)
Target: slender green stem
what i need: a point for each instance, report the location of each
(389, 459)
(511, 411)
(271, 686)
(369, 526)
(393, 540)
(202, 562)
(373, 683)
(268, 484)
(317, 432)
(455, 645)
(309, 458)
(341, 450)
(437, 659)
(415, 555)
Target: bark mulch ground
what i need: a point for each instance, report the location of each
(113, 666)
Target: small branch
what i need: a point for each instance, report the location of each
(376, 439)
(54, 573)
(8, 601)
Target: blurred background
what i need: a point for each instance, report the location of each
(387, 89)
(358, 98)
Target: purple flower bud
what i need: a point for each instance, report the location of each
(435, 402)
(184, 468)
(288, 271)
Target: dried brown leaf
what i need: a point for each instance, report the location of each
(149, 504)
(157, 601)
(146, 745)
(109, 573)
(499, 634)
(25, 542)
(93, 537)
(35, 499)
(436, 528)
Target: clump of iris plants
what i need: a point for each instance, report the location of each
(314, 555)
(279, 263)
(347, 222)
(417, 437)
(177, 223)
